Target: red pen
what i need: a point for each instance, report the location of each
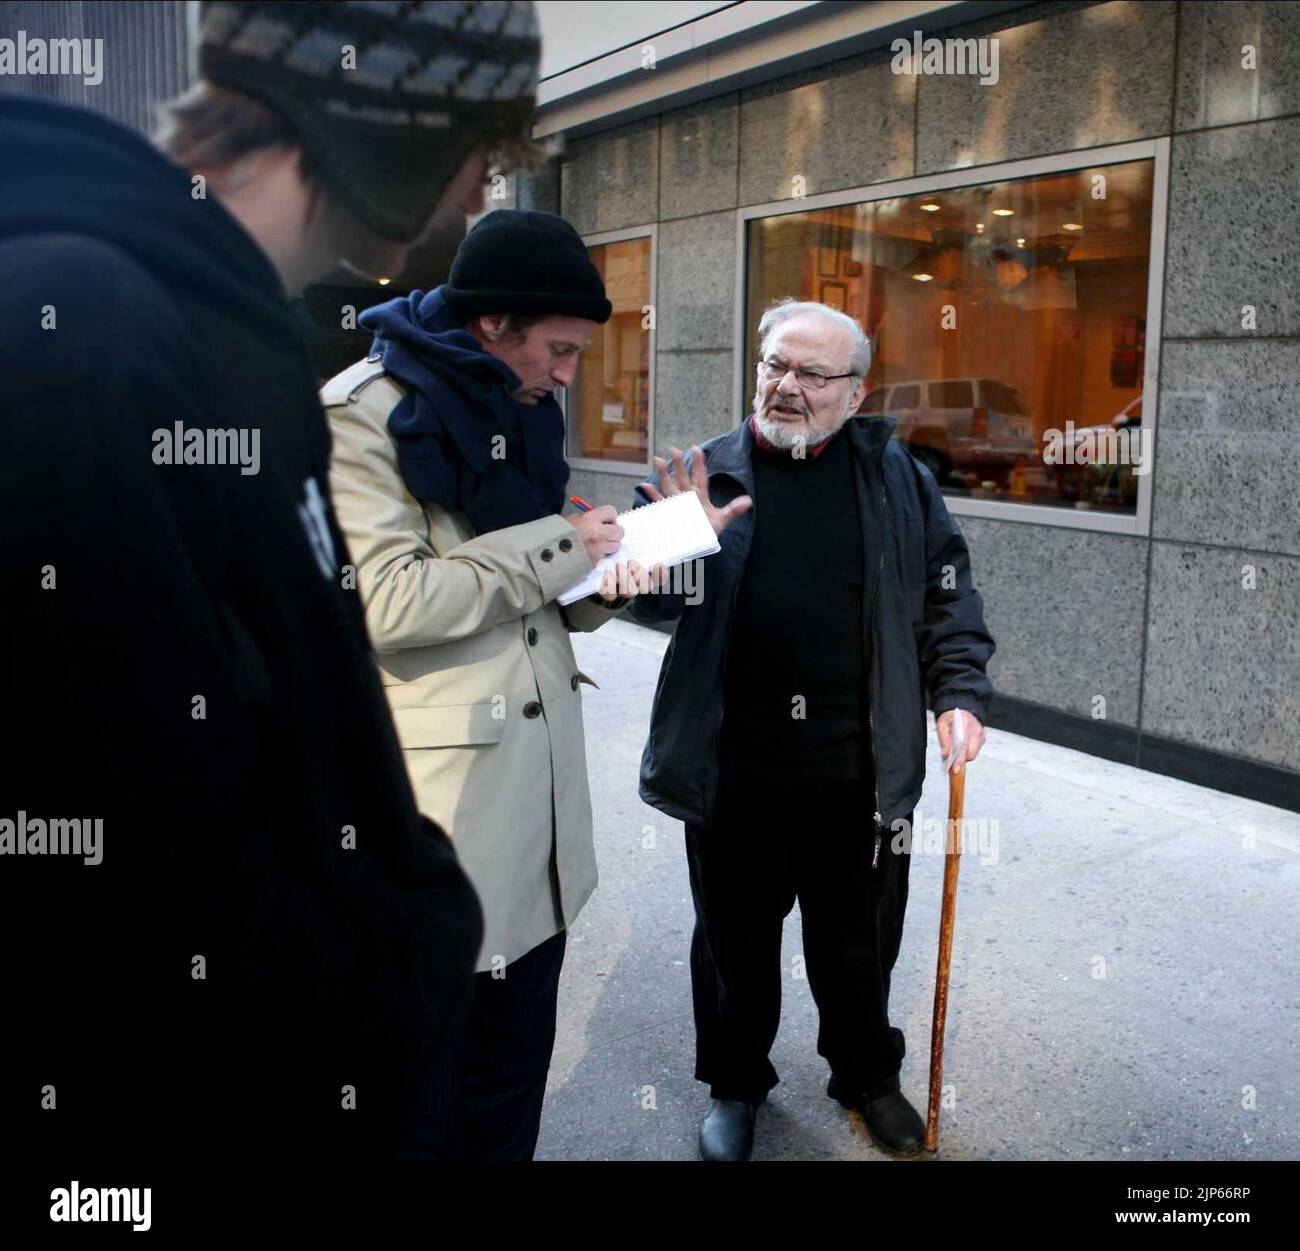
(580, 502)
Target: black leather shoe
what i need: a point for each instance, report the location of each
(893, 1122)
(727, 1132)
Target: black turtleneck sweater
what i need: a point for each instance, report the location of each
(793, 682)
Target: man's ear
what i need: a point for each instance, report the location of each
(859, 394)
(492, 326)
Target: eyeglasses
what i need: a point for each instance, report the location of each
(809, 379)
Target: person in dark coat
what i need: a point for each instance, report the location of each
(229, 934)
(788, 729)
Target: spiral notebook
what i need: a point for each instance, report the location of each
(668, 532)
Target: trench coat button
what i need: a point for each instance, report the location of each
(565, 545)
(532, 635)
(573, 682)
(547, 554)
(532, 709)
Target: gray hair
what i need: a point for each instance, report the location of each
(781, 312)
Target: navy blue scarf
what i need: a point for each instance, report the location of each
(460, 401)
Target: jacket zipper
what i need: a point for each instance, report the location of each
(871, 728)
(726, 648)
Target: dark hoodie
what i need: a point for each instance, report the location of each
(273, 933)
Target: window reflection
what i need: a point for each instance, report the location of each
(1009, 324)
(609, 405)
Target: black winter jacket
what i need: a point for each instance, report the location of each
(272, 932)
(926, 644)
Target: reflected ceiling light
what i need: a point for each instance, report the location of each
(383, 282)
(1004, 212)
(922, 277)
(929, 207)
(1020, 243)
(1071, 226)
(979, 225)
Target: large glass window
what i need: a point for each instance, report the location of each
(609, 403)
(1008, 322)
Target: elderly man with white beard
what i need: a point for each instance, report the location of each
(788, 730)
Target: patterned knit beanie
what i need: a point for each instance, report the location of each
(388, 98)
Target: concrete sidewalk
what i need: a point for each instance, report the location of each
(1124, 980)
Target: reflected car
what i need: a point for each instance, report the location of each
(1100, 484)
(973, 428)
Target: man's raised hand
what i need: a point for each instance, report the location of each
(674, 480)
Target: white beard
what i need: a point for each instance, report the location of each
(787, 435)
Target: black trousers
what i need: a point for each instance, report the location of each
(487, 1104)
(769, 844)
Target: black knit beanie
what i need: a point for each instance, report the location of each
(388, 99)
(525, 262)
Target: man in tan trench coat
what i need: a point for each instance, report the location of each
(472, 646)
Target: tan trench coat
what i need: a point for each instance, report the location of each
(475, 658)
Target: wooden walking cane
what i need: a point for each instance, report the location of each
(951, 859)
